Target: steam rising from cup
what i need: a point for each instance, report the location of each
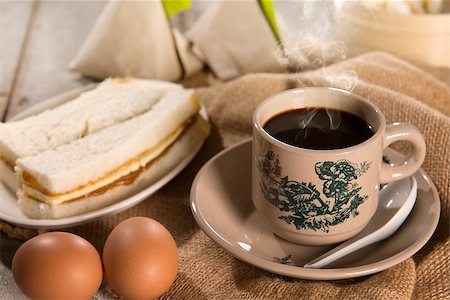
(306, 122)
(308, 42)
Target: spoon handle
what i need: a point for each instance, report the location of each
(367, 236)
(338, 252)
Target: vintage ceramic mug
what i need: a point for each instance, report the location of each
(318, 197)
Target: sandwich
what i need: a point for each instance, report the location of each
(111, 163)
(112, 101)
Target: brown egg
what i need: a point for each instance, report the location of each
(140, 258)
(57, 265)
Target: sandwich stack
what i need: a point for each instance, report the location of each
(101, 147)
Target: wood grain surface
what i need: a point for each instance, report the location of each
(38, 41)
(14, 19)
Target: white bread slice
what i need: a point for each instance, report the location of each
(99, 157)
(128, 168)
(112, 101)
(189, 142)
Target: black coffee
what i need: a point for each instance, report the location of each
(319, 128)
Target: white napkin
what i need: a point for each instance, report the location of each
(136, 38)
(191, 57)
(235, 38)
(130, 38)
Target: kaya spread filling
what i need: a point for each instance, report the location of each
(123, 175)
(7, 164)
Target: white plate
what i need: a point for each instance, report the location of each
(10, 212)
(222, 206)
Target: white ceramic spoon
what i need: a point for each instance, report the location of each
(396, 201)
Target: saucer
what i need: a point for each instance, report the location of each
(221, 204)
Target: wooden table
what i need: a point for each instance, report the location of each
(38, 39)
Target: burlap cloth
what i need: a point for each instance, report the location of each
(403, 91)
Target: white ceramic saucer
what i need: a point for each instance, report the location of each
(222, 206)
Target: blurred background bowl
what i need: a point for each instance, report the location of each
(423, 38)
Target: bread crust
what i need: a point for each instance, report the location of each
(188, 143)
(7, 176)
(113, 101)
(71, 166)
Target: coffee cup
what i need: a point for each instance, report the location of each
(317, 163)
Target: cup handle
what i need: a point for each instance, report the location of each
(403, 132)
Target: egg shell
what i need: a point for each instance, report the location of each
(140, 258)
(57, 265)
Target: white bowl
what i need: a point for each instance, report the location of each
(424, 38)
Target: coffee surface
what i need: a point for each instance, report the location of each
(319, 128)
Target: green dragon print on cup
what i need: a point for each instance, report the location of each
(317, 163)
